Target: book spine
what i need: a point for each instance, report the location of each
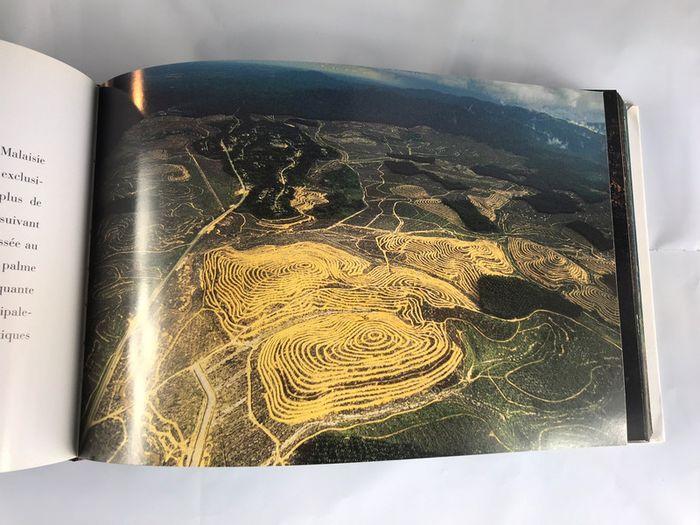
(626, 258)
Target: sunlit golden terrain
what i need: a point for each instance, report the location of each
(281, 290)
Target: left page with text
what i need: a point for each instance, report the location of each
(47, 112)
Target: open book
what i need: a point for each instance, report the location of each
(241, 263)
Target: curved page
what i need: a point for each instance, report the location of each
(46, 139)
(303, 263)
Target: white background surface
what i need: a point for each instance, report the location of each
(649, 51)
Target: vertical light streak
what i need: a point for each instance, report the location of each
(137, 90)
(143, 345)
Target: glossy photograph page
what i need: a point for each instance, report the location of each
(306, 263)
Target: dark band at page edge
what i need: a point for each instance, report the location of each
(628, 289)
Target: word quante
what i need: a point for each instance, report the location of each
(19, 290)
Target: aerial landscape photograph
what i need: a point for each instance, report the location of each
(301, 263)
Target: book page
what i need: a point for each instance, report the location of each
(46, 138)
(309, 263)
(645, 277)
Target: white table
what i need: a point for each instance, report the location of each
(649, 51)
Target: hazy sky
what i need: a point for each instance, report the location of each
(571, 104)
